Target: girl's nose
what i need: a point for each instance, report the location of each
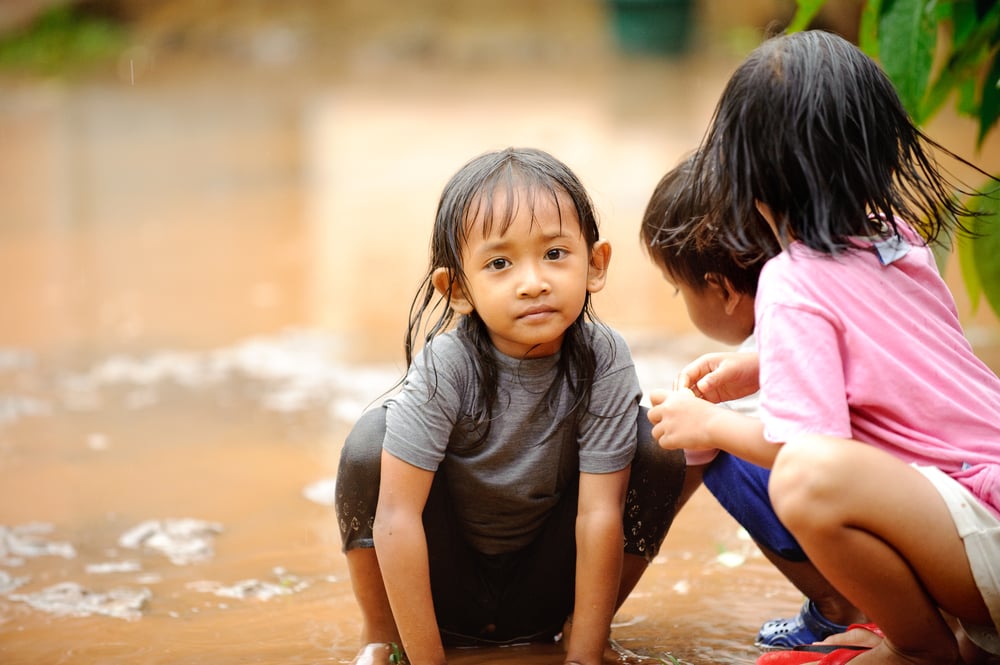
(532, 283)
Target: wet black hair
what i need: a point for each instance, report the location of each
(670, 235)
(811, 126)
(516, 177)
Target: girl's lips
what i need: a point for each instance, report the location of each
(536, 312)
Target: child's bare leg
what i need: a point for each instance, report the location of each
(693, 476)
(881, 534)
(378, 627)
(830, 602)
(802, 574)
(633, 566)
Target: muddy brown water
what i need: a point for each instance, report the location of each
(204, 280)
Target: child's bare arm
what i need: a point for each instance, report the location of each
(598, 564)
(402, 554)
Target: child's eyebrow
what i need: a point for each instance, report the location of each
(503, 242)
(493, 246)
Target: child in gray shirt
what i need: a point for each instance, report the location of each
(514, 476)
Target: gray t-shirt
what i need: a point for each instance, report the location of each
(503, 487)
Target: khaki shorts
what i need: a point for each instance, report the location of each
(980, 531)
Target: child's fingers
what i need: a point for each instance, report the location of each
(657, 397)
(682, 380)
(686, 381)
(704, 387)
(694, 372)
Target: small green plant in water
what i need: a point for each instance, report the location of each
(668, 659)
(397, 657)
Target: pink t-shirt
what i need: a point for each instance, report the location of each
(853, 348)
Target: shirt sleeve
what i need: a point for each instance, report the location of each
(607, 433)
(422, 416)
(802, 384)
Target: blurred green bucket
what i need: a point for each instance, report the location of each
(653, 26)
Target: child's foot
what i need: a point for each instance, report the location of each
(376, 653)
(857, 634)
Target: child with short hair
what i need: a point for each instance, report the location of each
(718, 289)
(515, 477)
(881, 425)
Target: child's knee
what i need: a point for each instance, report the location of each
(806, 475)
(356, 494)
(363, 445)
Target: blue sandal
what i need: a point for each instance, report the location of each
(807, 627)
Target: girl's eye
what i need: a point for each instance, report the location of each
(497, 264)
(555, 254)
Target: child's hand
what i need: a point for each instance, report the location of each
(678, 418)
(721, 377)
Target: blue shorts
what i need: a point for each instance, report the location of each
(741, 488)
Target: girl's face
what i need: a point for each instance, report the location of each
(530, 283)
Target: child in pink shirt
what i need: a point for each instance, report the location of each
(879, 424)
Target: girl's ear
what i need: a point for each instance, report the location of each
(442, 280)
(731, 298)
(600, 257)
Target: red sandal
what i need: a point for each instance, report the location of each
(836, 657)
(827, 654)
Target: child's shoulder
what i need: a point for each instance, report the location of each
(599, 329)
(447, 350)
(606, 341)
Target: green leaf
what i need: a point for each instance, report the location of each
(906, 39)
(868, 30)
(947, 80)
(989, 108)
(971, 46)
(964, 21)
(804, 14)
(967, 266)
(963, 65)
(968, 98)
(942, 253)
(985, 246)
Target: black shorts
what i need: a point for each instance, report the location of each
(526, 595)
